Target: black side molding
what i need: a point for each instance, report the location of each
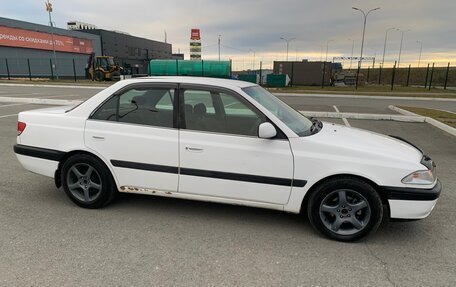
(38, 152)
(210, 173)
(243, 177)
(145, 166)
(406, 193)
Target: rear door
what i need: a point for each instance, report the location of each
(135, 131)
(221, 154)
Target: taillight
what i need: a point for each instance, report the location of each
(20, 128)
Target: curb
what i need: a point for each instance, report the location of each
(362, 116)
(435, 123)
(54, 86)
(365, 97)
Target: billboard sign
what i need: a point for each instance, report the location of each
(195, 34)
(13, 37)
(195, 44)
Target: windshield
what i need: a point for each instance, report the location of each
(293, 119)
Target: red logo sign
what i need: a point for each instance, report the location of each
(43, 41)
(195, 34)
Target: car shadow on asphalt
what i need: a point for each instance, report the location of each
(172, 209)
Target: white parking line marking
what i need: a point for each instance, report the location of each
(5, 116)
(12, 105)
(343, 119)
(21, 95)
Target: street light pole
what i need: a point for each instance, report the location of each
(351, 57)
(321, 53)
(362, 41)
(384, 46)
(49, 10)
(327, 44)
(400, 48)
(421, 50)
(288, 42)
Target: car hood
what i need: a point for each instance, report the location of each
(349, 141)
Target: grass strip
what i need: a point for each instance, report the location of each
(447, 118)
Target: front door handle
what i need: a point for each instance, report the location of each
(194, 149)
(98, 137)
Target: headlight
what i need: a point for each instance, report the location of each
(419, 177)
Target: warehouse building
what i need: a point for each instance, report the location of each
(131, 52)
(26, 48)
(305, 73)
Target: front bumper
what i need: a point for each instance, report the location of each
(412, 203)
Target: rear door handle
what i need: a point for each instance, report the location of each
(194, 149)
(98, 137)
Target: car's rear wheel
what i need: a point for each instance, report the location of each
(87, 181)
(345, 209)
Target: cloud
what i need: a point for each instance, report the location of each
(248, 26)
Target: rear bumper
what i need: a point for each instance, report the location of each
(38, 160)
(412, 203)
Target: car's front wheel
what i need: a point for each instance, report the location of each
(345, 209)
(87, 181)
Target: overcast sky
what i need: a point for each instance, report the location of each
(247, 26)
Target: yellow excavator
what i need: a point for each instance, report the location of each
(102, 68)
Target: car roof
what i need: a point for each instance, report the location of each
(227, 83)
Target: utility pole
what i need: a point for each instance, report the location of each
(288, 42)
(219, 46)
(421, 50)
(384, 46)
(362, 41)
(49, 10)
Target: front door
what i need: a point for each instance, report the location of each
(135, 132)
(221, 154)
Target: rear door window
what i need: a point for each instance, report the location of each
(151, 106)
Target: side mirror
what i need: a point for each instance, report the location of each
(266, 131)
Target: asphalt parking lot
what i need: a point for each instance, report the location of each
(141, 241)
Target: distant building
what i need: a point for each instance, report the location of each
(131, 52)
(24, 43)
(178, 56)
(305, 73)
(76, 25)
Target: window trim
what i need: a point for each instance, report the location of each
(182, 87)
(128, 87)
(179, 109)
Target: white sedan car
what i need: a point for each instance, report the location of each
(230, 142)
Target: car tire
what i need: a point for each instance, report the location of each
(345, 209)
(99, 76)
(87, 181)
(115, 76)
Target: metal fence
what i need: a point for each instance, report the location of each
(427, 76)
(42, 68)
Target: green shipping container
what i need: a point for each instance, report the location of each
(276, 80)
(252, 78)
(216, 69)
